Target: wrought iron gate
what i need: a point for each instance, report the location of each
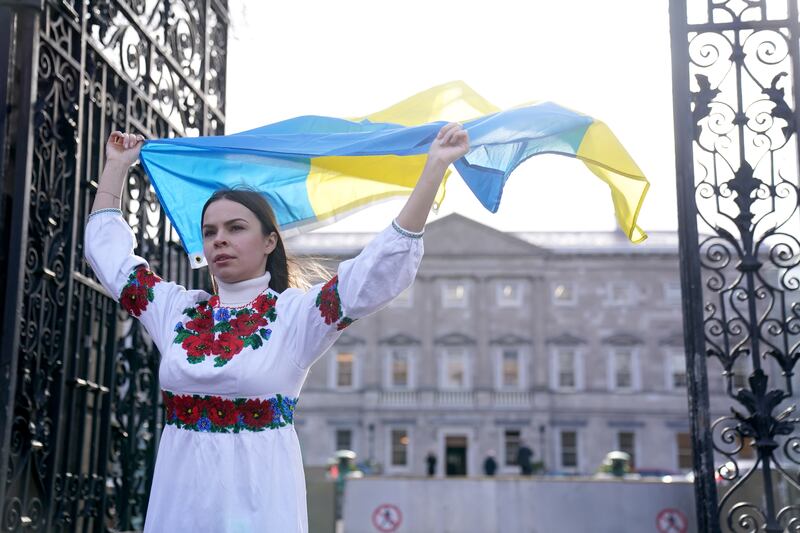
(736, 87)
(78, 377)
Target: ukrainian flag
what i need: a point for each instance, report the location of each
(314, 170)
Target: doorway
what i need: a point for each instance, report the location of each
(455, 453)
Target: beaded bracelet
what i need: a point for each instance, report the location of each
(106, 210)
(405, 232)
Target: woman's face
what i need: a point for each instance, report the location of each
(233, 244)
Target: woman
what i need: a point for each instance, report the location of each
(233, 363)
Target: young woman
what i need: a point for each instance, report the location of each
(233, 363)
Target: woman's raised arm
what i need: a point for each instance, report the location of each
(451, 143)
(122, 150)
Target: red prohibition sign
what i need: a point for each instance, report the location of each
(387, 518)
(671, 521)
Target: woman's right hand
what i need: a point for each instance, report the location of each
(123, 147)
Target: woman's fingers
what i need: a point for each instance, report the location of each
(444, 131)
(449, 136)
(447, 128)
(125, 140)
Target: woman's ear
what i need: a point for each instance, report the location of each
(271, 242)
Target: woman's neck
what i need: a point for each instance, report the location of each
(242, 292)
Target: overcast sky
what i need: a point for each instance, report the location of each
(607, 59)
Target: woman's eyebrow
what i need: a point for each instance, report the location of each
(228, 222)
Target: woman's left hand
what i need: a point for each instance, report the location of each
(451, 143)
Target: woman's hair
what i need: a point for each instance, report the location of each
(285, 271)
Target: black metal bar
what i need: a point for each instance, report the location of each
(26, 54)
(691, 286)
(65, 387)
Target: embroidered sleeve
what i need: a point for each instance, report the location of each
(330, 305)
(138, 291)
(362, 285)
(109, 249)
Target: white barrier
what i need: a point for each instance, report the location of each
(517, 505)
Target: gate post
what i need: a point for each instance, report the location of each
(20, 65)
(705, 489)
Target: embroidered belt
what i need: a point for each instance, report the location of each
(225, 415)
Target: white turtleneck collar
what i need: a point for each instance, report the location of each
(242, 292)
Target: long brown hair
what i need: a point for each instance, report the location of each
(285, 271)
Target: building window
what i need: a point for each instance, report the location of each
(626, 441)
(344, 369)
(405, 299)
(672, 292)
(509, 294)
(677, 370)
(566, 375)
(454, 369)
(619, 292)
(399, 451)
(684, 445)
(399, 368)
(569, 449)
(454, 294)
(510, 366)
(511, 446)
(622, 369)
(563, 293)
(344, 439)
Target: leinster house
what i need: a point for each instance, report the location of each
(568, 343)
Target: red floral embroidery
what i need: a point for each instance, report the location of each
(330, 306)
(204, 322)
(265, 304)
(247, 323)
(187, 409)
(343, 323)
(138, 291)
(134, 300)
(227, 345)
(146, 277)
(257, 413)
(328, 301)
(198, 345)
(224, 332)
(221, 412)
(224, 415)
(169, 405)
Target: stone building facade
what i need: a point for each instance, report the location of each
(568, 342)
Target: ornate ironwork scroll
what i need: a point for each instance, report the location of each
(79, 441)
(736, 82)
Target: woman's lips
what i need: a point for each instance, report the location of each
(223, 260)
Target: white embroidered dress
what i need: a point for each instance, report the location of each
(221, 471)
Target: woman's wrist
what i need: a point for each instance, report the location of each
(116, 165)
(436, 165)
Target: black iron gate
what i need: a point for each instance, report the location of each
(78, 381)
(736, 87)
